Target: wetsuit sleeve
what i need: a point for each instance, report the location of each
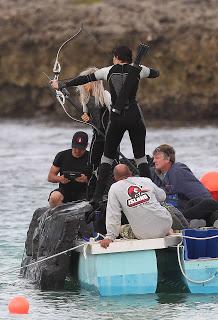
(58, 160)
(102, 73)
(153, 73)
(113, 215)
(80, 80)
(107, 99)
(148, 72)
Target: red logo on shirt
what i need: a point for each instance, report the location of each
(137, 195)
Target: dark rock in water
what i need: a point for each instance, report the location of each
(52, 231)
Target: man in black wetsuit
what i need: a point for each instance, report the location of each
(129, 119)
(69, 161)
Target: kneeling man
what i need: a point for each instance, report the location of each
(139, 199)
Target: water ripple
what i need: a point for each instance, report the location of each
(24, 188)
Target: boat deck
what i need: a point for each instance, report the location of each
(127, 245)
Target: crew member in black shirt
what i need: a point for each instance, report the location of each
(70, 162)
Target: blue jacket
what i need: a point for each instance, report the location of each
(180, 181)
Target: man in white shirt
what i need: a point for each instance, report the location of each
(139, 199)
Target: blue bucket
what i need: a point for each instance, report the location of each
(195, 249)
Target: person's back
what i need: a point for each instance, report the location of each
(126, 114)
(116, 76)
(139, 199)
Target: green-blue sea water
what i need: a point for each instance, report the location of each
(27, 150)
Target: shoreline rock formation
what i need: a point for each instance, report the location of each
(184, 47)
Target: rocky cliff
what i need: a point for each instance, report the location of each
(183, 35)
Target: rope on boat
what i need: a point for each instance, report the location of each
(180, 263)
(55, 255)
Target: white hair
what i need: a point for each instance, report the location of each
(98, 90)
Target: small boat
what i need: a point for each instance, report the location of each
(184, 262)
(129, 267)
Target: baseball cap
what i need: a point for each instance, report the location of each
(80, 140)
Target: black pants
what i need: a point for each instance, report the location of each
(95, 154)
(206, 209)
(96, 150)
(131, 121)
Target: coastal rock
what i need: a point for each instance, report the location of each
(183, 36)
(52, 231)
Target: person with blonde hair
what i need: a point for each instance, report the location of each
(96, 104)
(129, 116)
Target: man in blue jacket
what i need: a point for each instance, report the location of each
(183, 189)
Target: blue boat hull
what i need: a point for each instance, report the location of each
(200, 260)
(201, 270)
(120, 273)
(147, 266)
(131, 268)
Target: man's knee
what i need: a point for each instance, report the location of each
(56, 198)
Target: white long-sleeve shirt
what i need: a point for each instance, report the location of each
(139, 198)
(102, 74)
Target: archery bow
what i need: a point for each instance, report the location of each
(57, 69)
(64, 94)
(57, 66)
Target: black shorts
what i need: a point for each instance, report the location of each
(70, 196)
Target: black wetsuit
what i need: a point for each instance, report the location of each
(99, 117)
(131, 119)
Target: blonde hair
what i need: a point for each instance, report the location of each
(98, 90)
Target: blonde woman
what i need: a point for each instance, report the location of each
(127, 118)
(96, 104)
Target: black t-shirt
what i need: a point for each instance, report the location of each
(66, 162)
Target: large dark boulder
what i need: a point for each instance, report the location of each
(52, 231)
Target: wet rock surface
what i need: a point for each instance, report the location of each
(184, 47)
(52, 231)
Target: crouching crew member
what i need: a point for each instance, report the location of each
(139, 199)
(70, 169)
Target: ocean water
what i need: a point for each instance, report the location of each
(27, 150)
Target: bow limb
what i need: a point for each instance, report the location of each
(57, 66)
(61, 97)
